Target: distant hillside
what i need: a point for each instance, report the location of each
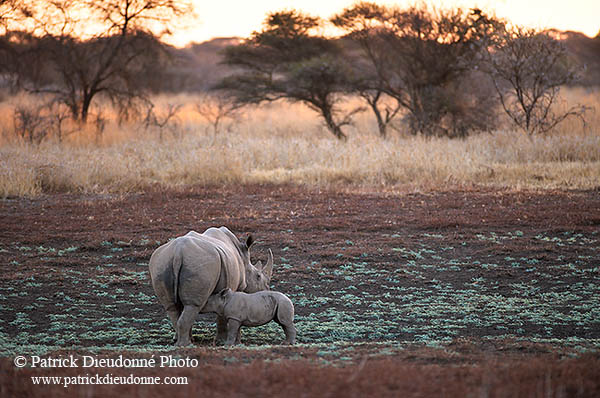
(586, 52)
(197, 66)
(206, 58)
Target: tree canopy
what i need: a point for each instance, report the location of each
(285, 61)
(56, 53)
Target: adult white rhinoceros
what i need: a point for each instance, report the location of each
(188, 269)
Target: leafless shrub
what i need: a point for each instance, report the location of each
(34, 122)
(60, 121)
(163, 121)
(98, 120)
(218, 108)
(528, 69)
(29, 124)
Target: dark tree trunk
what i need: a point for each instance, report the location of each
(333, 126)
(380, 122)
(85, 107)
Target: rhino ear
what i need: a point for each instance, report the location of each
(249, 241)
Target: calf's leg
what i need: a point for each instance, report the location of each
(290, 333)
(221, 336)
(285, 317)
(233, 329)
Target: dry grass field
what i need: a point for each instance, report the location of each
(287, 144)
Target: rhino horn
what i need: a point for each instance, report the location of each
(268, 270)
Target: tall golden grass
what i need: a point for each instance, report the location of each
(287, 144)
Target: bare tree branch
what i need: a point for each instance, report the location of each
(86, 49)
(528, 69)
(216, 108)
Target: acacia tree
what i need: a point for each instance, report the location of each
(318, 82)
(528, 68)
(419, 56)
(364, 23)
(286, 61)
(433, 51)
(83, 65)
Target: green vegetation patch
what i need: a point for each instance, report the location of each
(428, 293)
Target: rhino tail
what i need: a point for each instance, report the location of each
(177, 263)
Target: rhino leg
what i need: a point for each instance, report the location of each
(290, 334)
(222, 332)
(221, 336)
(184, 325)
(285, 317)
(233, 331)
(174, 315)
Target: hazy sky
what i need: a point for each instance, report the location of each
(223, 18)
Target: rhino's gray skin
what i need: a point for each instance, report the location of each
(188, 269)
(242, 309)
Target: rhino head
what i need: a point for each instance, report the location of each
(257, 276)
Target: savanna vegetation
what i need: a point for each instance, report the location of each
(423, 98)
(284, 144)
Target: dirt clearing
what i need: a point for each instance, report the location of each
(488, 292)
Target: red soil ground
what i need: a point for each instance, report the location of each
(317, 224)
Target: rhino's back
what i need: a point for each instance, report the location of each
(199, 262)
(187, 248)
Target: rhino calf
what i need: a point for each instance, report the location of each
(255, 309)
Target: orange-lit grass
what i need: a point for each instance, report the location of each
(287, 144)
